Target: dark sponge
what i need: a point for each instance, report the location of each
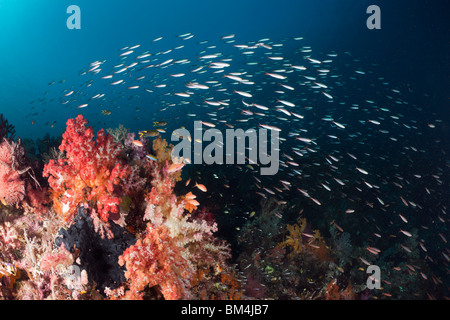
(99, 257)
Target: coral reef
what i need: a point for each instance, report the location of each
(176, 245)
(18, 183)
(31, 266)
(112, 222)
(12, 186)
(119, 134)
(156, 260)
(90, 172)
(97, 255)
(291, 262)
(116, 229)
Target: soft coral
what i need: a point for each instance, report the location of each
(92, 170)
(12, 186)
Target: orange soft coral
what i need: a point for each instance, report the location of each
(156, 260)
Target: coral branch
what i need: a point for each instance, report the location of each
(91, 171)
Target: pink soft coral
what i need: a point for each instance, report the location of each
(12, 186)
(52, 260)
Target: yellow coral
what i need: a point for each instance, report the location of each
(162, 149)
(315, 244)
(294, 239)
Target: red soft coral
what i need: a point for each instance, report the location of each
(91, 171)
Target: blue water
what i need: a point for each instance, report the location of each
(405, 69)
(37, 48)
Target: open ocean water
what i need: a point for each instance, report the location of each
(356, 154)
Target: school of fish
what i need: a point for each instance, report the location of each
(350, 142)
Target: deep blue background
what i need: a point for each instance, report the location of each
(411, 49)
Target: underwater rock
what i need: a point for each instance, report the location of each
(99, 256)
